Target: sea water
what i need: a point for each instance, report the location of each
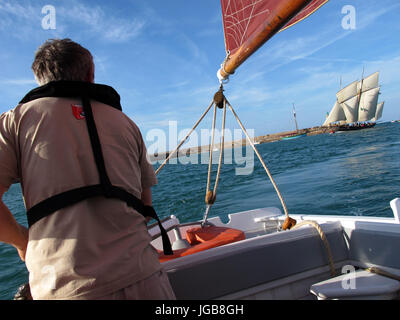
(349, 173)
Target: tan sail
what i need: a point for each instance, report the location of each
(348, 92)
(379, 111)
(336, 114)
(368, 104)
(350, 108)
(370, 82)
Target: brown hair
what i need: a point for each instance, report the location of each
(62, 59)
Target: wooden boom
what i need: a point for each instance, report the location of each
(280, 15)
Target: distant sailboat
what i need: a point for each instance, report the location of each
(297, 134)
(356, 105)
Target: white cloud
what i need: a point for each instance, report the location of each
(100, 23)
(18, 10)
(197, 54)
(20, 21)
(19, 82)
(366, 18)
(23, 19)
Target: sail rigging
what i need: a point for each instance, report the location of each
(248, 24)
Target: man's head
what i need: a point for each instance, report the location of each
(62, 59)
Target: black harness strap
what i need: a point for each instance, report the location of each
(105, 188)
(96, 146)
(71, 197)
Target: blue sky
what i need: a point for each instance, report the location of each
(162, 57)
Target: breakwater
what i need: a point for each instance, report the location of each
(238, 143)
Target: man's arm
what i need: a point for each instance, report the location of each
(11, 231)
(146, 199)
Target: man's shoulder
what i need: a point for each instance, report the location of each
(10, 115)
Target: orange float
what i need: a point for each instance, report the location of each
(205, 238)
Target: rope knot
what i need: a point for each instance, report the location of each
(219, 98)
(210, 197)
(289, 223)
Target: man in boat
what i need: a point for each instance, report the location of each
(86, 239)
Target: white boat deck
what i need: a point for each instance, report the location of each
(274, 264)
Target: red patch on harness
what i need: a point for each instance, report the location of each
(77, 111)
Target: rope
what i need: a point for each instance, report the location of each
(261, 160)
(324, 240)
(221, 148)
(184, 139)
(219, 100)
(383, 273)
(211, 149)
(211, 195)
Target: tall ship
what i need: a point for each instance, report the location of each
(356, 106)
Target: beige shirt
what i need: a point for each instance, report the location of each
(99, 245)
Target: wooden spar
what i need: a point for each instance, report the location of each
(285, 10)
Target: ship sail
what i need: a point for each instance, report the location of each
(336, 114)
(370, 82)
(368, 104)
(379, 111)
(368, 92)
(347, 92)
(350, 108)
(248, 24)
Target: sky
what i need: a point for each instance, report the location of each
(162, 58)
